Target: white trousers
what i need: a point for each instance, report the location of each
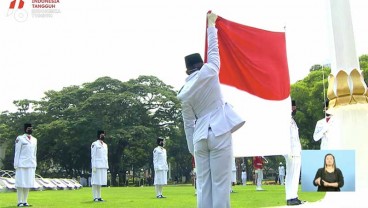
(259, 175)
(282, 179)
(96, 191)
(22, 194)
(244, 178)
(158, 189)
(293, 164)
(213, 159)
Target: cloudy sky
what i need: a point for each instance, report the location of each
(86, 40)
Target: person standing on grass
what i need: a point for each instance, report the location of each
(160, 166)
(99, 155)
(322, 129)
(209, 122)
(258, 171)
(25, 163)
(233, 175)
(293, 162)
(281, 174)
(244, 174)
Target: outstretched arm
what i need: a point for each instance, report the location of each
(213, 56)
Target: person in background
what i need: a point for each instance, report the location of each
(25, 163)
(281, 174)
(329, 178)
(293, 162)
(209, 122)
(321, 131)
(233, 175)
(194, 175)
(160, 166)
(100, 165)
(258, 171)
(244, 174)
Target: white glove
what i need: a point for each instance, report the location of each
(94, 170)
(211, 19)
(15, 167)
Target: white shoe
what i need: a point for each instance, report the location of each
(259, 188)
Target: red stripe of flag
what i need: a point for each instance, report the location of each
(253, 60)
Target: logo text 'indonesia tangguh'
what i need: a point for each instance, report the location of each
(39, 9)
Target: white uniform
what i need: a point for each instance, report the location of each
(281, 174)
(293, 163)
(100, 164)
(233, 171)
(161, 168)
(321, 132)
(244, 174)
(233, 174)
(160, 165)
(25, 161)
(244, 177)
(99, 153)
(208, 124)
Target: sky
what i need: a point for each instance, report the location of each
(88, 39)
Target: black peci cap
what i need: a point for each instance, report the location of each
(26, 125)
(293, 103)
(99, 132)
(159, 139)
(193, 59)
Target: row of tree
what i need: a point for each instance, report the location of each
(134, 114)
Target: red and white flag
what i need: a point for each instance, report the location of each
(255, 78)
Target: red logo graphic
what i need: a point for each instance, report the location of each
(17, 9)
(20, 5)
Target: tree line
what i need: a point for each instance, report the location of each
(133, 114)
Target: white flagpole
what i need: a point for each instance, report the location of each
(347, 92)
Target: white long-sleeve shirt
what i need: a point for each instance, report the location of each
(160, 159)
(296, 147)
(99, 155)
(202, 102)
(321, 132)
(25, 152)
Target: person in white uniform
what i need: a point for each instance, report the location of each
(244, 174)
(208, 123)
(281, 174)
(160, 166)
(25, 163)
(293, 162)
(100, 165)
(233, 175)
(321, 131)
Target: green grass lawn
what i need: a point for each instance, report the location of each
(178, 196)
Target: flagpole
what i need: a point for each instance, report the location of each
(347, 93)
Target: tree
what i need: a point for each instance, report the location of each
(133, 114)
(363, 62)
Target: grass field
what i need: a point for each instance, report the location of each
(178, 196)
